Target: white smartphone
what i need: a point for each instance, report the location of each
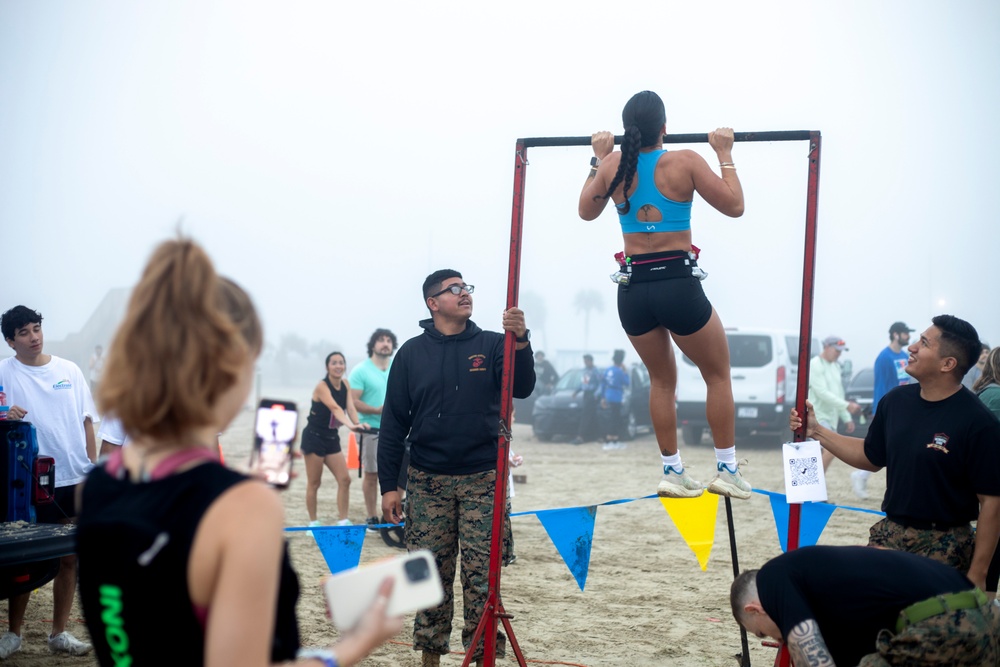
(417, 586)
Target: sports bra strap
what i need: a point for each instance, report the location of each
(169, 465)
(164, 468)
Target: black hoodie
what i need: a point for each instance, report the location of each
(444, 394)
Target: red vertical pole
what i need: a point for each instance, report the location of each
(805, 330)
(493, 611)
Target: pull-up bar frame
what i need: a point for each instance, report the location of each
(493, 611)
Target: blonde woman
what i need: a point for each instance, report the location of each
(182, 560)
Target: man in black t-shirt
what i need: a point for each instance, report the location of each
(940, 447)
(867, 606)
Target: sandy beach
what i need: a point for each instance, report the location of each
(646, 600)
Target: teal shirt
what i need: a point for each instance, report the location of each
(990, 396)
(367, 377)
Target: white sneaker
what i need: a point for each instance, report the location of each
(313, 524)
(64, 642)
(345, 522)
(678, 484)
(9, 644)
(859, 482)
(730, 483)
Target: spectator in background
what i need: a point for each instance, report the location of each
(612, 394)
(368, 381)
(890, 372)
(96, 368)
(977, 370)
(52, 394)
(987, 387)
(546, 374)
(826, 390)
(332, 407)
(590, 384)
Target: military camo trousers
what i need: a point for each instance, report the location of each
(452, 515)
(953, 546)
(963, 638)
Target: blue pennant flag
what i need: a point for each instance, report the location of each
(340, 545)
(572, 532)
(812, 520)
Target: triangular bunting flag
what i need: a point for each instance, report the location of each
(695, 519)
(340, 546)
(812, 520)
(572, 532)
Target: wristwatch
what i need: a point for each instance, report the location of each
(595, 162)
(525, 338)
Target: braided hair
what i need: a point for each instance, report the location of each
(643, 116)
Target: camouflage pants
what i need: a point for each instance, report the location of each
(964, 638)
(452, 514)
(953, 546)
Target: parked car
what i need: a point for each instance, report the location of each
(861, 390)
(764, 369)
(560, 413)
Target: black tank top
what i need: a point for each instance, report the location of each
(320, 418)
(133, 545)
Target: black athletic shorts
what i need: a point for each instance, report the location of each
(663, 294)
(320, 444)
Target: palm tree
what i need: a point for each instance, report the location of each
(587, 300)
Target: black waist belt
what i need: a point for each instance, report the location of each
(661, 266)
(940, 604)
(928, 525)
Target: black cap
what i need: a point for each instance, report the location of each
(900, 327)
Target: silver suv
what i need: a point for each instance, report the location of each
(764, 367)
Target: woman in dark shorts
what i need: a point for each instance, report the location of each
(332, 407)
(659, 283)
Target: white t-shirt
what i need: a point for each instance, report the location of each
(112, 431)
(57, 400)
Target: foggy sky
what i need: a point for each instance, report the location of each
(330, 155)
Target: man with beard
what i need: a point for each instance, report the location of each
(444, 395)
(368, 381)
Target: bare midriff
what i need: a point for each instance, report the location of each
(646, 242)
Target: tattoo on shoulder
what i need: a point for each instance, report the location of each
(806, 646)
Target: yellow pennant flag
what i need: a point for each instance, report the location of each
(695, 519)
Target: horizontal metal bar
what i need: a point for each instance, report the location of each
(782, 135)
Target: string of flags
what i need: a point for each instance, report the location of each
(571, 529)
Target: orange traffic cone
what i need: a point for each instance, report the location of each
(353, 463)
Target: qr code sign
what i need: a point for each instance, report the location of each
(805, 471)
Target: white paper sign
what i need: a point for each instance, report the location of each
(803, 465)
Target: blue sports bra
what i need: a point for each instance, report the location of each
(675, 215)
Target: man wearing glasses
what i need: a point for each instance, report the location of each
(443, 395)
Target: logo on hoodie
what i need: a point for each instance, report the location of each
(478, 362)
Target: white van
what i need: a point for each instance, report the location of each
(764, 367)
